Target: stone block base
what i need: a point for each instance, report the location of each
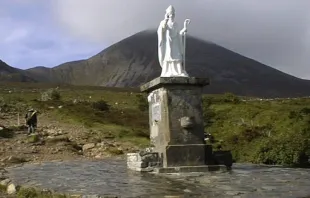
(187, 155)
(190, 169)
(180, 159)
(152, 164)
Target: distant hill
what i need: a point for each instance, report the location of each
(11, 74)
(133, 61)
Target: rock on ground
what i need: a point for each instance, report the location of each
(5, 182)
(11, 189)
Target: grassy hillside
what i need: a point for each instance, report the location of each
(270, 132)
(108, 113)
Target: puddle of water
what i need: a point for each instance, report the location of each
(111, 177)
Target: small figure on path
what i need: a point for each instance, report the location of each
(31, 120)
(171, 45)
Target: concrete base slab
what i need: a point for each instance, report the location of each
(150, 162)
(191, 169)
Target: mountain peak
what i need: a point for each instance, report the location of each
(134, 61)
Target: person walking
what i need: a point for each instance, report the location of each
(31, 120)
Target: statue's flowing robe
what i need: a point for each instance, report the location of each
(169, 43)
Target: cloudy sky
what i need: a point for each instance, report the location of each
(50, 32)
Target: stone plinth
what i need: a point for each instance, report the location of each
(176, 120)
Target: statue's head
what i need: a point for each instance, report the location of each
(170, 12)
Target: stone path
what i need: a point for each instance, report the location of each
(111, 177)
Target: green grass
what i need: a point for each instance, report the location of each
(33, 193)
(33, 139)
(107, 112)
(270, 132)
(27, 192)
(2, 188)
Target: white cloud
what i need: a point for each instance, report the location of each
(110, 21)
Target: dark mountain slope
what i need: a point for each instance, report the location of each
(133, 61)
(11, 74)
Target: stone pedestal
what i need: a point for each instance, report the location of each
(176, 120)
(176, 125)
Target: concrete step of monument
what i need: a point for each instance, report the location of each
(191, 169)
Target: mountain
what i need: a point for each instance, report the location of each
(11, 74)
(133, 61)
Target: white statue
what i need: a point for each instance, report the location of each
(171, 46)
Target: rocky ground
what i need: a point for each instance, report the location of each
(53, 140)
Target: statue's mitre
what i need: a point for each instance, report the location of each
(170, 9)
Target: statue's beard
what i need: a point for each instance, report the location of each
(170, 23)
